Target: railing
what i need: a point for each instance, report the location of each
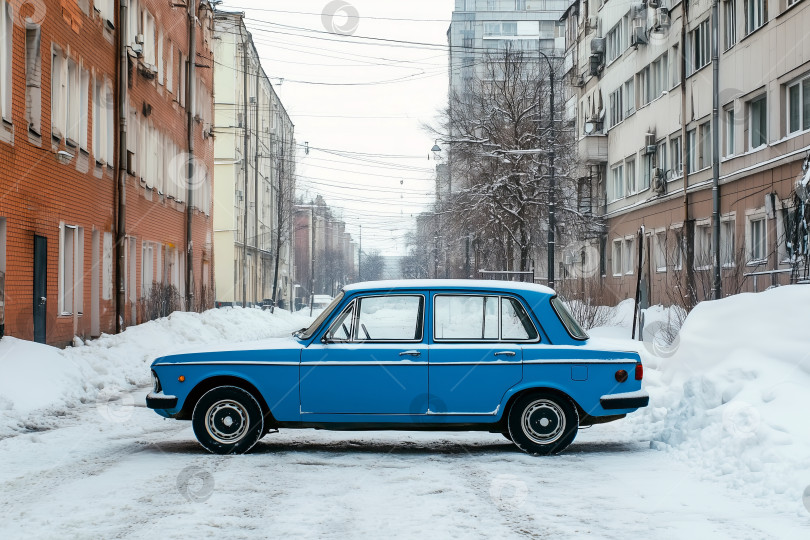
(773, 275)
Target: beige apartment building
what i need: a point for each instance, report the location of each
(642, 77)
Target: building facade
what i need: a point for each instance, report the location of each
(254, 174)
(96, 211)
(643, 77)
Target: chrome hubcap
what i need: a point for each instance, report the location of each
(227, 421)
(543, 421)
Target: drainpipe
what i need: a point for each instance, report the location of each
(191, 97)
(716, 150)
(256, 195)
(245, 144)
(685, 155)
(121, 169)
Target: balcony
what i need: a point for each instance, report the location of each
(593, 149)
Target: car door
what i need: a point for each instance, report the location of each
(371, 360)
(476, 353)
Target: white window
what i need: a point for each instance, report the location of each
(798, 95)
(692, 150)
(58, 89)
(698, 45)
(677, 252)
(181, 91)
(758, 121)
(676, 163)
(615, 42)
(147, 268)
(630, 173)
(705, 145)
(616, 183)
(107, 267)
(628, 254)
(616, 106)
(71, 271)
(660, 251)
(617, 257)
(133, 21)
(646, 174)
(727, 249)
(148, 29)
(629, 97)
(33, 80)
(72, 121)
(729, 23)
(756, 14)
(84, 99)
(655, 78)
(757, 239)
(170, 69)
(6, 31)
(729, 118)
(160, 57)
(106, 8)
(661, 155)
(703, 246)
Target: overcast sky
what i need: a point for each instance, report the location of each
(359, 103)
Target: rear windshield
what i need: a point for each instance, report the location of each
(568, 320)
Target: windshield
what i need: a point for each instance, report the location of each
(568, 320)
(309, 332)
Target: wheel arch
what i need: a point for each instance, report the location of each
(517, 393)
(223, 380)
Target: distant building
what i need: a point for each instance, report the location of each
(254, 173)
(73, 261)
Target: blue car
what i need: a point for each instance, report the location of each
(494, 356)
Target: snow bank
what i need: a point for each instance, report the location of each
(49, 381)
(733, 394)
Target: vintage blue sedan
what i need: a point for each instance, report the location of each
(494, 356)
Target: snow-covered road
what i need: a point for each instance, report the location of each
(117, 470)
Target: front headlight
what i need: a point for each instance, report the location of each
(155, 383)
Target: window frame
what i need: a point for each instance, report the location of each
(499, 339)
(762, 98)
(617, 262)
(751, 219)
(800, 83)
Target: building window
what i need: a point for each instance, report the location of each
(147, 268)
(616, 106)
(757, 240)
(617, 257)
(660, 251)
(756, 14)
(170, 68)
(629, 98)
(160, 56)
(71, 275)
(698, 44)
(630, 174)
(148, 39)
(616, 38)
(646, 173)
(627, 255)
(758, 121)
(181, 91)
(655, 78)
(703, 246)
(106, 9)
(676, 165)
(2, 271)
(661, 155)
(729, 118)
(691, 150)
(107, 266)
(6, 31)
(798, 95)
(133, 21)
(677, 252)
(33, 80)
(705, 158)
(616, 183)
(727, 242)
(84, 99)
(729, 23)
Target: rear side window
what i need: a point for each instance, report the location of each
(568, 320)
(389, 318)
(463, 317)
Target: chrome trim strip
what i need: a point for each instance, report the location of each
(482, 363)
(592, 361)
(369, 363)
(234, 363)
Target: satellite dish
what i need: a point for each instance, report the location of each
(590, 127)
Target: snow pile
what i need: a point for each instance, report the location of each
(49, 381)
(732, 396)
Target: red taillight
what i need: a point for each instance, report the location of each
(639, 371)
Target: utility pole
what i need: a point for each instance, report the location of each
(121, 186)
(280, 174)
(245, 143)
(717, 288)
(191, 96)
(312, 265)
(360, 257)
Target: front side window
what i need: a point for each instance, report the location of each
(389, 318)
(309, 332)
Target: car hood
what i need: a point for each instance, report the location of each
(276, 349)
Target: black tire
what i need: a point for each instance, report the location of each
(543, 423)
(507, 436)
(228, 420)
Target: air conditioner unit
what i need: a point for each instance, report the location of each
(137, 48)
(139, 39)
(639, 36)
(661, 20)
(577, 80)
(636, 10)
(593, 23)
(596, 64)
(649, 140)
(652, 4)
(659, 183)
(598, 45)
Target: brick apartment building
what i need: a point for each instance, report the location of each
(88, 224)
(641, 90)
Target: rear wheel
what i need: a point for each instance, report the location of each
(227, 420)
(543, 423)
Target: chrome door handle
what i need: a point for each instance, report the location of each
(505, 353)
(410, 353)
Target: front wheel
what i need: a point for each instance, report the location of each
(543, 423)
(228, 420)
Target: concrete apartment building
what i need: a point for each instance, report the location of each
(95, 211)
(642, 75)
(254, 173)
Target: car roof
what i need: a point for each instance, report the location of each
(449, 284)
